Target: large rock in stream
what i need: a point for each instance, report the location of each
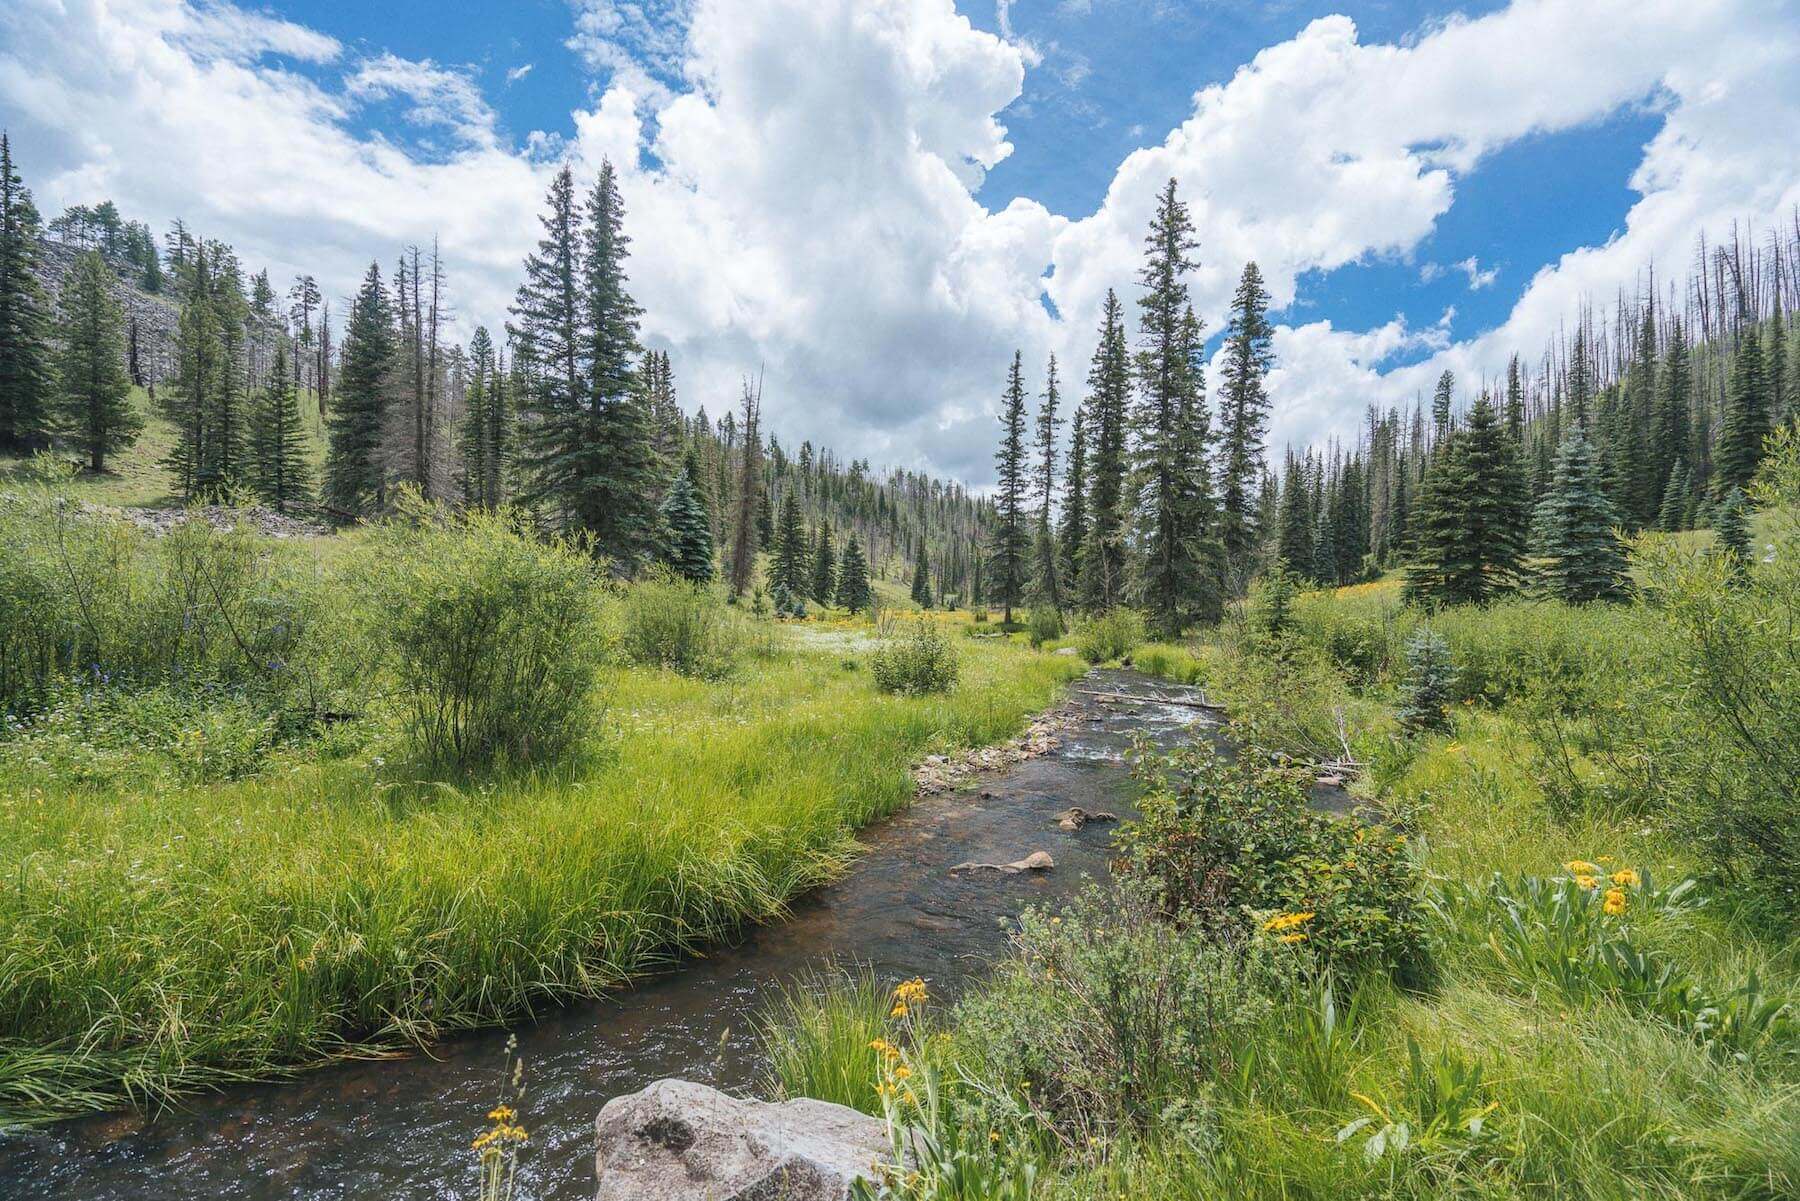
(681, 1140)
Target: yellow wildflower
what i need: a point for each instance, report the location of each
(1615, 902)
(501, 1113)
(1582, 867)
(902, 1072)
(993, 1136)
(1293, 938)
(887, 1049)
(1587, 882)
(1286, 921)
(898, 1011)
(1627, 876)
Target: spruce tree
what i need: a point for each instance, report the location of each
(1175, 490)
(789, 577)
(1441, 399)
(1732, 532)
(765, 519)
(222, 471)
(921, 581)
(1748, 418)
(1673, 430)
(1294, 541)
(93, 396)
(853, 578)
(1469, 523)
(1243, 418)
(1010, 540)
(689, 529)
(483, 441)
(355, 483)
(1583, 559)
(624, 471)
(1046, 576)
(1072, 526)
(1101, 566)
(25, 366)
(280, 473)
(824, 566)
(1672, 515)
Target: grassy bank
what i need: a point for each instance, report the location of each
(189, 895)
(1544, 1038)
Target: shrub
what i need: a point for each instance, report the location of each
(918, 662)
(85, 594)
(672, 623)
(1104, 1020)
(489, 631)
(1044, 625)
(1734, 674)
(1425, 696)
(1232, 850)
(1272, 602)
(1110, 635)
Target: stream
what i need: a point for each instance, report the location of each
(400, 1128)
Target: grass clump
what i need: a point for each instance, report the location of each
(671, 623)
(1045, 624)
(923, 660)
(488, 631)
(823, 1036)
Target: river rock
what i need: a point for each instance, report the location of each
(1037, 861)
(1077, 817)
(681, 1141)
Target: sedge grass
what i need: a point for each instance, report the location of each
(160, 939)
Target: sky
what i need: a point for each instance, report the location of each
(873, 203)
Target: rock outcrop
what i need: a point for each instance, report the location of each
(681, 1140)
(1077, 817)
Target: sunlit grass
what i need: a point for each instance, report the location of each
(152, 941)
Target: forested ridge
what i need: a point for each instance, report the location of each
(273, 402)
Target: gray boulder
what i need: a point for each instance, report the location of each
(681, 1140)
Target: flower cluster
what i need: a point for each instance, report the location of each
(1589, 877)
(1283, 926)
(503, 1133)
(909, 995)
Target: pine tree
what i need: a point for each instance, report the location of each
(824, 566)
(25, 367)
(788, 574)
(853, 578)
(921, 581)
(1174, 490)
(1426, 693)
(199, 372)
(1101, 566)
(222, 471)
(1748, 418)
(1008, 552)
(689, 529)
(93, 397)
(744, 540)
(1584, 560)
(1243, 416)
(1515, 402)
(355, 483)
(280, 473)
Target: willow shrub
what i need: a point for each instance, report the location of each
(1110, 635)
(490, 633)
(672, 623)
(88, 594)
(920, 661)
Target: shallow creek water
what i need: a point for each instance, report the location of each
(400, 1128)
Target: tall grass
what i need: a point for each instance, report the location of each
(154, 941)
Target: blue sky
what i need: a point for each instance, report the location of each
(876, 201)
(1114, 75)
